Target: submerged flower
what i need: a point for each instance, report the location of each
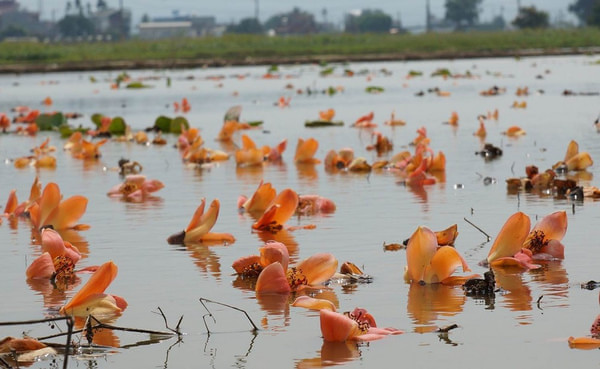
(136, 187)
(59, 257)
(429, 263)
(91, 299)
(198, 230)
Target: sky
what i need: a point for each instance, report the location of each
(411, 12)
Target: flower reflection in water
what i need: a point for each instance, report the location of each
(516, 295)
(427, 302)
(331, 353)
(205, 259)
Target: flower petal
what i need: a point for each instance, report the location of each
(337, 327)
(272, 280)
(511, 237)
(206, 222)
(195, 221)
(313, 304)
(96, 285)
(444, 262)
(41, 268)
(305, 151)
(245, 261)
(318, 268)
(421, 248)
(584, 343)
(264, 195)
(67, 213)
(553, 225)
(272, 252)
(48, 202)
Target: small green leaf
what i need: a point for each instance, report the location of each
(374, 89)
(255, 123)
(163, 124)
(48, 122)
(175, 126)
(97, 119)
(117, 126)
(137, 85)
(322, 123)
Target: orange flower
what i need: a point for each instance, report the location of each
(136, 188)
(544, 239)
(575, 160)
(327, 115)
(356, 325)
(91, 299)
(278, 212)
(258, 203)
(507, 249)
(429, 263)
(49, 210)
(305, 151)
(198, 230)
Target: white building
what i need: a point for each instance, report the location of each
(158, 30)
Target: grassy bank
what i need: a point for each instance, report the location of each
(247, 49)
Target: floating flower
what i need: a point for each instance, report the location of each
(507, 249)
(327, 115)
(575, 160)
(365, 121)
(91, 299)
(357, 325)
(314, 204)
(429, 263)
(393, 121)
(136, 187)
(453, 121)
(314, 270)
(514, 131)
(544, 239)
(198, 230)
(278, 212)
(57, 261)
(481, 132)
(49, 210)
(260, 200)
(305, 151)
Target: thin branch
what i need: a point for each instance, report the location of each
(202, 300)
(447, 328)
(479, 229)
(70, 323)
(538, 302)
(176, 330)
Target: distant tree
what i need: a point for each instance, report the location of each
(587, 11)
(530, 17)
(246, 25)
(294, 22)
(369, 20)
(12, 31)
(101, 5)
(462, 12)
(145, 18)
(75, 25)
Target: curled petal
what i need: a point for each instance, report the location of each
(584, 343)
(553, 225)
(195, 221)
(244, 262)
(41, 268)
(521, 260)
(337, 327)
(205, 223)
(580, 161)
(19, 345)
(11, 203)
(272, 280)
(96, 285)
(511, 237)
(48, 202)
(318, 268)
(305, 151)
(264, 195)
(447, 236)
(553, 250)
(98, 304)
(443, 263)
(273, 252)
(282, 208)
(421, 247)
(67, 213)
(152, 185)
(572, 150)
(313, 304)
(218, 237)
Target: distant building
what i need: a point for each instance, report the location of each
(159, 30)
(203, 26)
(113, 22)
(15, 22)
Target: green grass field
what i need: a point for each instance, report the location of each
(236, 49)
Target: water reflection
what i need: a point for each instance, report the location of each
(426, 302)
(249, 175)
(331, 353)
(554, 282)
(204, 258)
(53, 296)
(517, 296)
(277, 310)
(307, 171)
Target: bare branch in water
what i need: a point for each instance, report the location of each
(447, 329)
(202, 300)
(538, 302)
(479, 229)
(176, 330)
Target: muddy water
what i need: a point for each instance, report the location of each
(529, 321)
